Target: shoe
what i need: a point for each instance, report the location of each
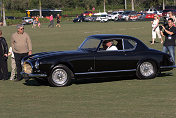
(12, 79)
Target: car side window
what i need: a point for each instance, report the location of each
(121, 44)
(129, 44)
(109, 45)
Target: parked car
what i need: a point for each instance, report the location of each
(152, 11)
(27, 20)
(79, 19)
(141, 16)
(127, 14)
(164, 14)
(90, 19)
(160, 13)
(86, 13)
(133, 16)
(150, 16)
(104, 18)
(92, 59)
(114, 15)
(99, 15)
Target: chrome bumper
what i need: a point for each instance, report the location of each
(25, 75)
(165, 67)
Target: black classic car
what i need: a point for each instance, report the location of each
(91, 59)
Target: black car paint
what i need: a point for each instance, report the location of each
(87, 62)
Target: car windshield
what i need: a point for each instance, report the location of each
(27, 18)
(126, 12)
(114, 13)
(90, 44)
(120, 12)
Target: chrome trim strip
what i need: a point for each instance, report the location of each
(105, 72)
(32, 75)
(174, 66)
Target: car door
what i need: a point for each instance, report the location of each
(117, 60)
(110, 61)
(83, 63)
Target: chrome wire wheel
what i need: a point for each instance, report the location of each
(147, 69)
(59, 76)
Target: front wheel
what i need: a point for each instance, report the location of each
(146, 70)
(60, 76)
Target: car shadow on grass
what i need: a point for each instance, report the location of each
(102, 80)
(165, 74)
(33, 82)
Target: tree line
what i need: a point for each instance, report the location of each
(82, 4)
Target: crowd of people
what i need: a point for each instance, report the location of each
(37, 23)
(21, 45)
(52, 21)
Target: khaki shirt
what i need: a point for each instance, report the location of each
(21, 43)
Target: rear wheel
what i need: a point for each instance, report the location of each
(146, 70)
(60, 76)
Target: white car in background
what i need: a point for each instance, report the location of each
(101, 15)
(152, 11)
(104, 18)
(115, 15)
(27, 20)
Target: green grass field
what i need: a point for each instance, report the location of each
(101, 98)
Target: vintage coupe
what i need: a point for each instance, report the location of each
(92, 59)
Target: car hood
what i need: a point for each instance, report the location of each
(55, 53)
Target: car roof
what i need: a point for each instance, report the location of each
(109, 36)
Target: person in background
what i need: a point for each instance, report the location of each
(58, 20)
(38, 22)
(34, 23)
(51, 21)
(13, 64)
(3, 58)
(170, 37)
(155, 29)
(21, 46)
(170, 15)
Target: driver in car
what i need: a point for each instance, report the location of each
(108, 45)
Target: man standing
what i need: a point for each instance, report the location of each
(21, 46)
(3, 58)
(170, 36)
(51, 21)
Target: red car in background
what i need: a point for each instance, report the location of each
(150, 16)
(133, 17)
(86, 13)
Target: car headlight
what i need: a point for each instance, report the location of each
(37, 64)
(27, 68)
